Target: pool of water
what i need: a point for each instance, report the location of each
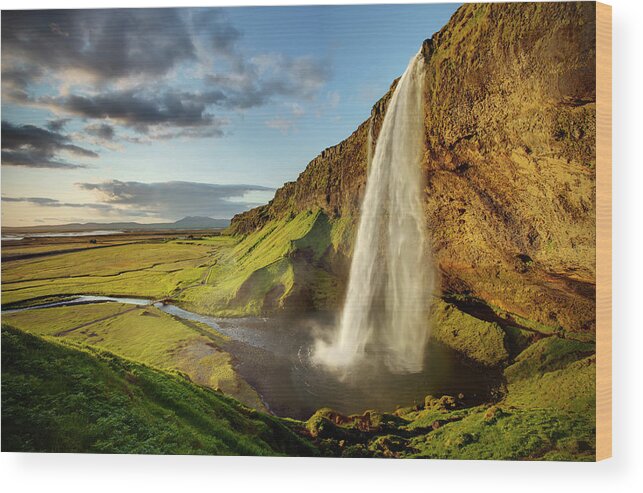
(274, 356)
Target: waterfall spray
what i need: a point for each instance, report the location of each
(386, 311)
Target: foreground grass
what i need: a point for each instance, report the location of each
(547, 413)
(60, 397)
(69, 397)
(146, 335)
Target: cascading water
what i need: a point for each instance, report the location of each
(386, 311)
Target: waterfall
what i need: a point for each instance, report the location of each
(386, 310)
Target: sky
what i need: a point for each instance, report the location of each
(152, 115)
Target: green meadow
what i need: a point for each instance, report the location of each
(115, 377)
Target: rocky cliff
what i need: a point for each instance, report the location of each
(510, 171)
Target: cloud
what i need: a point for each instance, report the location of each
(16, 79)
(103, 131)
(57, 124)
(105, 45)
(214, 24)
(47, 202)
(176, 199)
(138, 111)
(35, 147)
(124, 65)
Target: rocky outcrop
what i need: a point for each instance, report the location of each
(509, 161)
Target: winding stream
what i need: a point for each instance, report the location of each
(274, 355)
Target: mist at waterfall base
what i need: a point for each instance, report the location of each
(276, 357)
(385, 318)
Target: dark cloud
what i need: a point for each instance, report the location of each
(140, 111)
(106, 44)
(176, 198)
(46, 202)
(103, 131)
(35, 147)
(215, 25)
(16, 79)
(124, 56)
(58, 124)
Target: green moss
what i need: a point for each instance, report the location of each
(517, 339)
(483, 342)
(548, 354)
(554, 373)
(316, 240)
(572, 387)
(343, 232)
(259, 273)
(516, 434)
(145, 335)
(65, 398)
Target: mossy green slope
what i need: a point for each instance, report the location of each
(281, 266)
(478, 340)
(62, 397)
(146, 335)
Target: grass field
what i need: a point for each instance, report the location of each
(216, 275)
(145, 335)
(152, 270)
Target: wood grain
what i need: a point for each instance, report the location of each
(603, 231)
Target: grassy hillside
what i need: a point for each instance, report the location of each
(145, 335)
(63, 397)
(282, 266)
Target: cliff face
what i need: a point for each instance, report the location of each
(509, 162)
(334, 181)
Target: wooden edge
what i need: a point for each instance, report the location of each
(603, 231)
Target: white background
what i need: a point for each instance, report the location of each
(96, 473)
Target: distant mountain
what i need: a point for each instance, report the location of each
(187, 223)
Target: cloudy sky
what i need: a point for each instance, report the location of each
(155, 114)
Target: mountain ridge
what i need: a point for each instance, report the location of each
(186, 223)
